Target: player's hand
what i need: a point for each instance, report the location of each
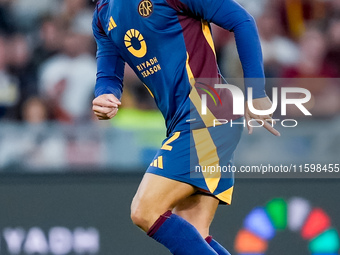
(105, 107)
(261, 104)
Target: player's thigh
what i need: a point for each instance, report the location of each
(156, 195)
(199, 210)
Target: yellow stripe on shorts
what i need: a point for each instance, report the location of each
(207, 156)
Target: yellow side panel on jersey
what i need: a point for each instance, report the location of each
(149, 90)
(209, 118)
(207, 35)
(190, 74)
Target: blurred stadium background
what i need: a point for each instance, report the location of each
(66, 179)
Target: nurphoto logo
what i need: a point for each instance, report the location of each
(238, 104)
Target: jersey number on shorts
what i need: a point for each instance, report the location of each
(166, 145)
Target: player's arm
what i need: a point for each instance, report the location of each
(231, 16)
(110, 73)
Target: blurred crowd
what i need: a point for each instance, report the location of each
(301, 48)
(47, 60)
(48, 67)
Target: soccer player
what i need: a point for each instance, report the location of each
(168, 43)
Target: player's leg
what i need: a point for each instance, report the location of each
(200, 210)
(156, 195)
(151, 211)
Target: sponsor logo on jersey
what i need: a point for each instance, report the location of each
(135, 43)
(145, 8)
(149, 67)
(112, 24)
